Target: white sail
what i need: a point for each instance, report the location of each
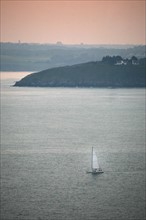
(95, 164)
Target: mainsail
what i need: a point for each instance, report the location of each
(94, 164)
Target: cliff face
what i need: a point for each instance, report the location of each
(92, 74)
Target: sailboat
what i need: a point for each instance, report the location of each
(95, 167)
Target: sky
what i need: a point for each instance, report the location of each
(73, 21)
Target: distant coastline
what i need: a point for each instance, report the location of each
(36, 57)
(106, 73)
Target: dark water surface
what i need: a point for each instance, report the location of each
(47, 135)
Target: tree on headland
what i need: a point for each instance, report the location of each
(119, 60)
(112, 60)
(134, 60)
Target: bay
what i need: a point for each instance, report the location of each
(46, 140)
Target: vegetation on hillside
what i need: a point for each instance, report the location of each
(92, 74)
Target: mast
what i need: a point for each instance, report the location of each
(92, 159)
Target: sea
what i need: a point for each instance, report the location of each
(46, 139)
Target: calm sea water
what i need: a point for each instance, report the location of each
(47, 135)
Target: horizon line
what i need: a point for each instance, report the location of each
(59, 43)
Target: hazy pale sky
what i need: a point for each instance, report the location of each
(73, 22)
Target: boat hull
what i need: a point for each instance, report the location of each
(93, 172)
